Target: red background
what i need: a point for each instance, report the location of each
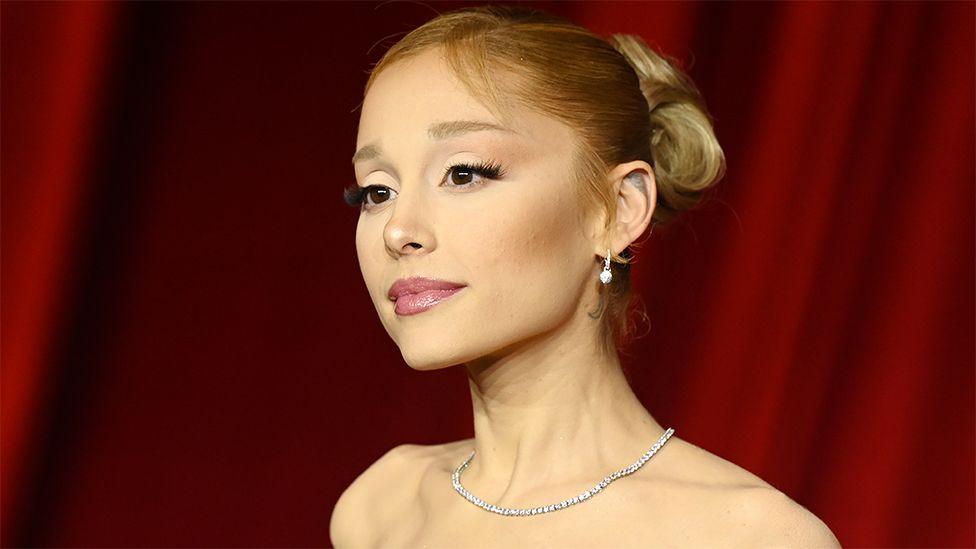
(190, 356)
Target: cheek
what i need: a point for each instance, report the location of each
(371, 254)
(525, 255)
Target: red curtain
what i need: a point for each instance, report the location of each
(190, 357)
(53, 58)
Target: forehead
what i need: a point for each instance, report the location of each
(412, 95)
(416, 90)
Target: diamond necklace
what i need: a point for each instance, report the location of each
(456, 481)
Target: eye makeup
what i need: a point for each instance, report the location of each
(357, 196)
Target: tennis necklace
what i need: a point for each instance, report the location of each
(456, 481)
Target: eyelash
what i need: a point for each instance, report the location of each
(354, 195)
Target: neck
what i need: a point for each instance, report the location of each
(551, 413)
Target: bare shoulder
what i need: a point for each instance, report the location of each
(770, 518)
(359, 508)
(754, 512)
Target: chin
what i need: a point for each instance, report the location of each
(430, 355)
(435, 349)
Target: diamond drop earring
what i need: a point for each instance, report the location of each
(606, 276)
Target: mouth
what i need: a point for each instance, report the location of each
(411, 304)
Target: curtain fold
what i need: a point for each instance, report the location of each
(54, 57)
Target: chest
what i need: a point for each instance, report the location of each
(493, 531)
(439, 518)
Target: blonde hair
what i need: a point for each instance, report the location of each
(624, 100)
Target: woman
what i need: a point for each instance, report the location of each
(507, 162)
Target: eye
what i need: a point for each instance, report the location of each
(368, 196)
(463, 173)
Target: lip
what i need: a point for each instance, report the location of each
(418, 294)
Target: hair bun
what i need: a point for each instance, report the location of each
(687, 156)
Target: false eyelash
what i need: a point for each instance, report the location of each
(487, 170)
(354, 195)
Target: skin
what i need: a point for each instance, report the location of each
(541, 389)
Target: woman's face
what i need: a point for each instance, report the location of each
(518, 243)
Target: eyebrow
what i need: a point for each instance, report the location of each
(439, 130)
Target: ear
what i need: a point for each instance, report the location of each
(636, 192)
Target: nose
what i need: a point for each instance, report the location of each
(408, 231)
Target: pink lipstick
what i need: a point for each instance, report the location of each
(418, 294)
